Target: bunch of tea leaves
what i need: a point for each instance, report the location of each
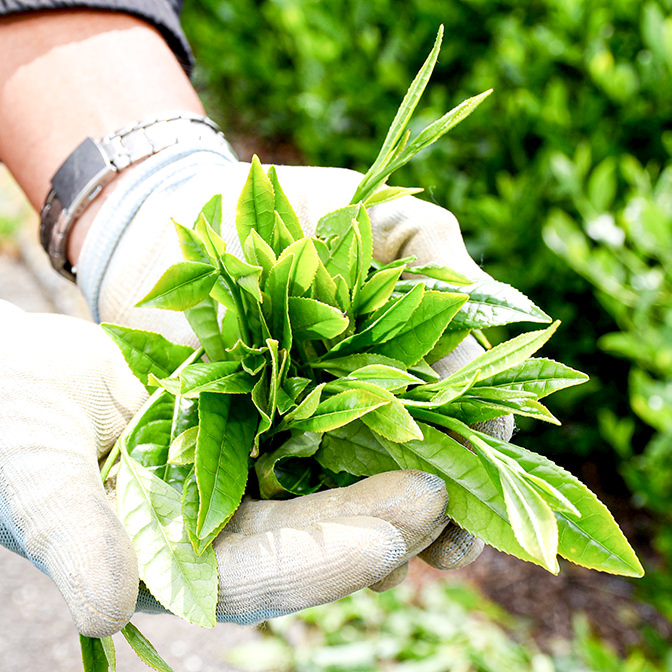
(315, 371)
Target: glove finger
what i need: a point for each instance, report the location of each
(273, 573)
(394, 578)
(70, 533)
(455, 548)
(414, 502)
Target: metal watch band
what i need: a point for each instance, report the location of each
(94, 163)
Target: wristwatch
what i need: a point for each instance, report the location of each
(94, 163)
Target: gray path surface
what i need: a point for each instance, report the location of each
(36, 632)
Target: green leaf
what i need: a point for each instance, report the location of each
(339, 410)
(308, 406)
(148, 440)
(377, 174)
(438, 272)
(473, 408)
(303, 444)
(182, 286)
(214, 244)
(381, 327)
(355, 450)
(245, 275)
(490, 303)
(225, 435)
(282, 238)
(474, 501)
(203, 319)
(94, 657)
(150, 511)
(259, 253)
(212, 211)
(388, 377)
(256, 205)
(283, 206)
(183, 446)
(343, 366)
(390, 419)
(111, 655)
(192, 246)
(594, 540)
(538, 375)
(304, 265)
(146, 352)
(423, 328)
(336, 224)
(224, 377)
(276, 310)
(311, 319)
(503, 356)
(446, 344)
(377, 290)
(387, 194)
(144, 649)
(532, 520)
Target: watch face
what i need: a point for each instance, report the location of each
(79, 168)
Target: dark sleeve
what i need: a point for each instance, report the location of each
(164, 15)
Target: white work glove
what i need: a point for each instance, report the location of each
(67, 393)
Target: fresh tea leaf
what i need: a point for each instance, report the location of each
(256, 205)
(144, 649)
(182, 286)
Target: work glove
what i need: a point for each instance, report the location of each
(132, 242)
(66, 395)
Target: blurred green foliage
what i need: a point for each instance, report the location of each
(438, 629)
(575, 140)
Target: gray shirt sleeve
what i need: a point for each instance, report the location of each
(164, 15)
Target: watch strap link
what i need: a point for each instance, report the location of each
(94, 163)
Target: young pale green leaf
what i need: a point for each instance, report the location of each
(377, 174)
(304, 266)
(182, 286)
(388, 377)
(354, 449)
(192, 246)
(144, 649)
(311, 319)
(308, 406)
(185, 416)
(387, 194)
(423, 328)
(94, 658)
(256, 205)
(473, 409)
(221, 293)
(212, 211)
(381, 327)
(282, 238)
(339, 410)
(532, 520)
(259, 253)
(294, 386)
(344, 366)
(225, 436)
(276, 309)
(324, 288)
(108, 647)
(503, 356)
(362, 226)
(146, 352)
(245, 275)
(336, 225)
(302, 444)
(376, 290)
(343, 258)
(538, 375)
(150, 510)
(283, 207)
(214, 244)
(147, 441)
(203, 319)
(437, 129)
(183, 446)
(438, 272)
(224, 377)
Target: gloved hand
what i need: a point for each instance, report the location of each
(66, 395)
(132, 241)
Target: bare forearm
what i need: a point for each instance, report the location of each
(66, 75)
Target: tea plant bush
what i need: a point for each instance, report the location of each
(327, 78)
